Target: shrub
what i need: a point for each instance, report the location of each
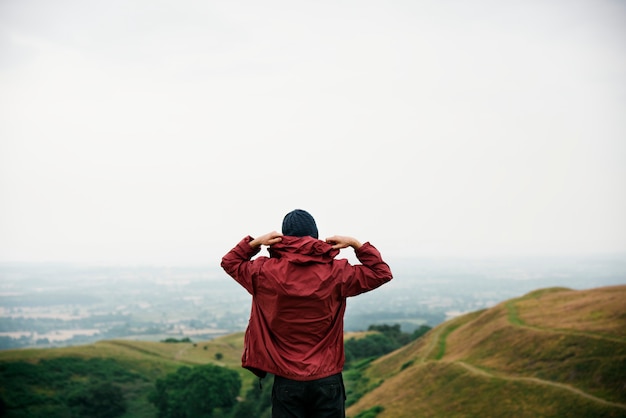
(194, 392)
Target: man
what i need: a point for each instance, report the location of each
(298, 302)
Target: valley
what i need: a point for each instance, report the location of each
(54, 305)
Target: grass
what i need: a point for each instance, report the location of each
(152, 359)
(551, 353)
(441, 346)
(554, 352)
(512, 314)
(371, 413)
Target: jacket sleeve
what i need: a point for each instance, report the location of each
(239, 265)
(370, 274)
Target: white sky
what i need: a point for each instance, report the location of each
(163, 132)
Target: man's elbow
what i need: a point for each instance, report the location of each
(387, 274)
(226, 264)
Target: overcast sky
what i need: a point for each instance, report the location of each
(163, 132)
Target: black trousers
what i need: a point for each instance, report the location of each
(322, 398)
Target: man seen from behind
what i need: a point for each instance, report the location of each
(299, 296)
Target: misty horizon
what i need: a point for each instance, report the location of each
(164, 133)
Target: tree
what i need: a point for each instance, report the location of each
(387, 339)
(374, 345)
(392, 332)
(423, 329)
(258, 400)
(98, 400)
(195, 392)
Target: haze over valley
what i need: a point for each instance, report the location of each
(47, 305)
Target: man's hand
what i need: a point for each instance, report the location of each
(338, 242)
(267, 239)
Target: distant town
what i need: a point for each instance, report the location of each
(50, 305)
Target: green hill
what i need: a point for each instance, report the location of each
(143, 362)
(551, 353)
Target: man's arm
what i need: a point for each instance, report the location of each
(372, 273)
(238, 265)
(267, 239)
(237, 262)
(338, 242)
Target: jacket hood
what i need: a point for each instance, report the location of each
(303, 250)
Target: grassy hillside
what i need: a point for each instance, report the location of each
(551, 353)
(148, 357)
(148, 360)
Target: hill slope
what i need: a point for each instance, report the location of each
(146, 356)
(551, 353)
(144, 362)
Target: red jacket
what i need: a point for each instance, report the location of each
(298, 303)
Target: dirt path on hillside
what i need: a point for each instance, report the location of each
(435, 341)
(515, 320)
(131, 347)
(180, 352)
(574, 390)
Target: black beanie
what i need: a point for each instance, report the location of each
(299, 223)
